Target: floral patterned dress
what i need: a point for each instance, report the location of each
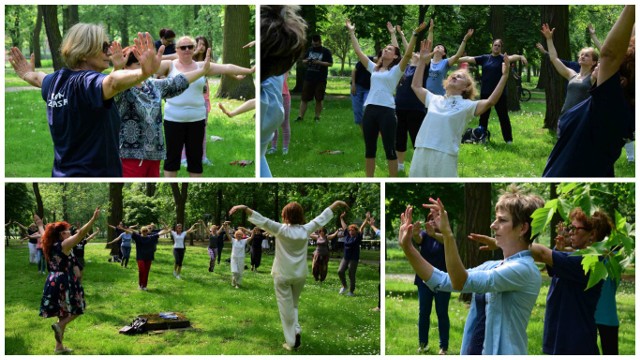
(63, 294)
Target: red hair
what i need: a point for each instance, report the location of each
(293, 214)
(52, 235)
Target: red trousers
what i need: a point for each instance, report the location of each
(144, 266)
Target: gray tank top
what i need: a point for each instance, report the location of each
(577, 91)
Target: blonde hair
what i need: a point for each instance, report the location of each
(82, 41)
(238, 232)
(470, 92)
(192, 40)
(520, 205)
(594, 55)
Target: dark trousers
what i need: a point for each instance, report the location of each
(256, 257)
(608, 339)
(353, 266)
(178, 255)
(503, 116)
(425, 301)
(379, 120)
(320, 266)
(188, 134)
(409, 121)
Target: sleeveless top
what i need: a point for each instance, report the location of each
(188, 106)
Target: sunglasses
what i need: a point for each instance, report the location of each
(105, 47)
(572, 228)
(186, 47)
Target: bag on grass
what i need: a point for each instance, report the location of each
(138, 326)
(476, 136)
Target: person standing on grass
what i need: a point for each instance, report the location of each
(78, 254)
(217, 235)
(318, 60)
(289, 269)
(179, 247)
(379, 114)
(320, 264)
(432, 250)
(238, 244)
(438, 140)
(594, 131)
(32, 234)
(282, 42)
(492, 73)
(256, 248)
(125, 247)
(286, 128)
(63, 295)
(352, 241)
(146, 244)
(225, 233)
(569, 318)
(504, 292)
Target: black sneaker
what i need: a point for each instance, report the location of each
(297, 344)
(299, 119)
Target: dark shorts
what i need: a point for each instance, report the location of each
(189, 135)
(313, 90)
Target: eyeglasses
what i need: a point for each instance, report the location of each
(186, 47)
(105, 47)
(572, 228)
(65, 231)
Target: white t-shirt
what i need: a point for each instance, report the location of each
(178, 239)
(383, 85)
(445, 122)
(237, 247)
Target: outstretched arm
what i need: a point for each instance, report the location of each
(116, 239)
(342, 222)
(25, 70)
(392, 33)
(416, 83)
(421, 266)
(73, 240)
(594, 37)
(484, 105)
(467, 59)
(247, 210)
(412, 43)
(456, 270)
(452, 60)
(405, 43)
(616, 44)
(564, 71)
(364, 60)
(542, 254)
(229, 69)
(90, 237)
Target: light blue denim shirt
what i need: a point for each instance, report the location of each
(271, 116)
(511, 288)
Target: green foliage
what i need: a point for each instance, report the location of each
(19, 203)
(224, 320)
(140, 209)
(617, 251)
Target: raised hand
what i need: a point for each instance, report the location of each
(431, 25)
(249, 44)
(488, 243)
(592, 31)
(338, 204)
(420, 28)
(207, 62)
(19, 62)
(505, 64)
(399, 30)
(96, 213)
(546, 32)
(468, 35)
(541, 48)
(237, 208)
(437, 205)
(350, 27)
(145, 52)
(390, 28)
(406, 228)
(118, 59)
(425, 50)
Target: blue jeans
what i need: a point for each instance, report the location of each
(425, 300)
(357, 103)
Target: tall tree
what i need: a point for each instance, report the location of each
(180, 198)
(15, 29)
(39, 205)
(115, 216)
(35, 38)
(557, 16)
(150, 189)
(70, 17)
(236, 35)
(50, 16)
(308, 12)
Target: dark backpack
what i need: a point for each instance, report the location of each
(138, 326)
(475, 136)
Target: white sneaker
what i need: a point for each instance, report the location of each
(206, 162)
(285, 151)
(400, 166)
(342, 291)
(178, 277)
(350, 294)
(237, 287)
(175, 273)
(271, 151)
(287, 347)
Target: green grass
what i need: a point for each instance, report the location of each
(29, 149)
(224, 320)
(401, 315)
(526, 157)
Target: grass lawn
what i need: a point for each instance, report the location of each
(401, 315)
(225, 320)
(526, 157)
(29, 149)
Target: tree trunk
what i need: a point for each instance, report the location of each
(236, 35)
(497, 21)
(50, 15)
(180, 198)
(477, 219)
(116, 214)
(553, 194)
(150, 189)
(65, 212)
(39, 205)
(513, 96)
(557, 16)
(219, 211)
(309, 14)
(69, 17)
(276, 202)
(35, 39)
(124, 26)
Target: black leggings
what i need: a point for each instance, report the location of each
(190, 135)
(503, 116)
(178, 255)
(379, 119)
(608, 339)
(408, 121)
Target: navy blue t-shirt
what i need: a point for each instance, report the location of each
(363, 76)
(569, 320)
(145, 246)
(352, 246)
(593, 134)
(406, 98)
(85, 128)
(491, 72)
(432, 251)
